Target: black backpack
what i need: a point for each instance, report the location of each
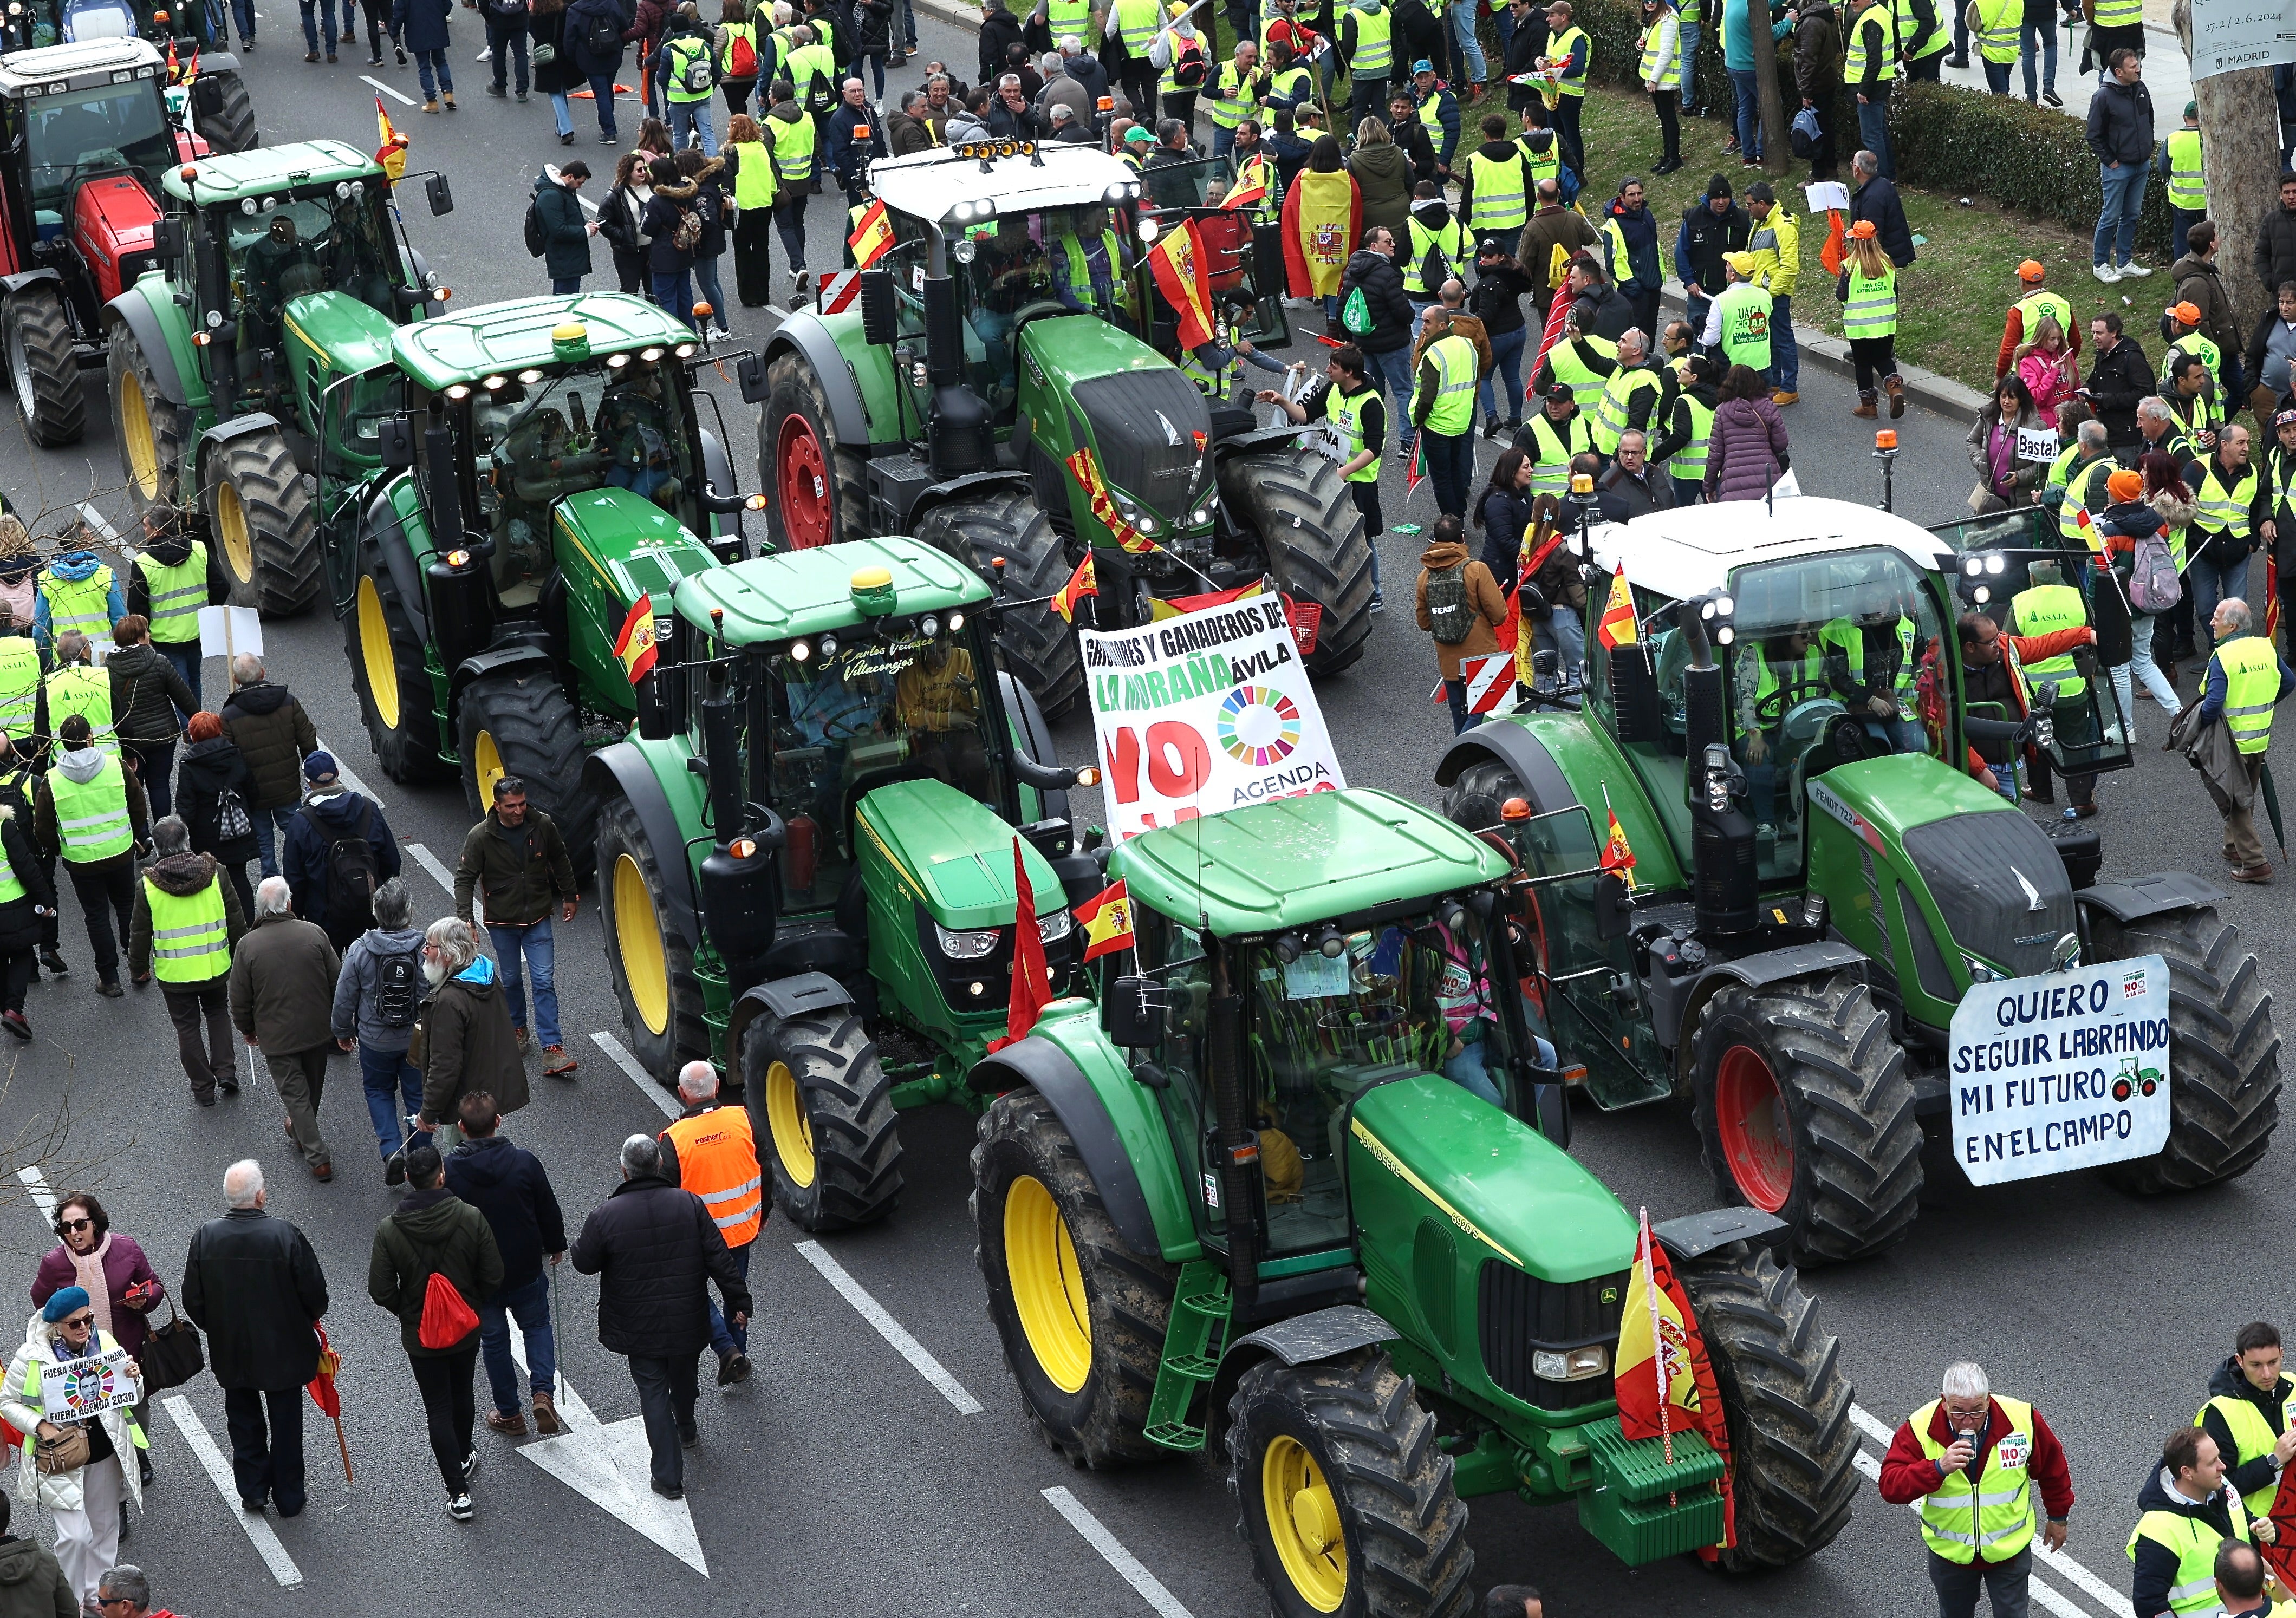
(351, 874)
(397, 988)
(538, 233)
(601, 32)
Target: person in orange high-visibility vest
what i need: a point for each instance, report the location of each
(710, 1152)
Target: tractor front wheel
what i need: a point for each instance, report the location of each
(230, 127)
(521, 724)
(1805, 1110)
(650, 963)
(1793, 1446)
(388, 674)
(260, 521)
(1347, 1504)
(1298, 503)
(2223, 1058)
(42, 370)
(1082, 1319)
(814, 492)
(821, 1111)
(1035, 639)
(148, 424)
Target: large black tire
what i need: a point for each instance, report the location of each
(232, 127)
(650, 963)
(394, 695)
(1474, 799)
(821, 1107)
(1805, 1110)
(813, 485)
(148, 424)
(2224, 1056)
(1298, 503)
(42, 371)
(1793, 1446)
(261, 524)
(1083, 1324)
(522, 724)
(1035, 639)
(1348, 1435)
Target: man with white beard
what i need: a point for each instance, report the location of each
(468, 1041)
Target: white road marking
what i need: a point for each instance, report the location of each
(430, 863)
(1113, 1552)
(667, 1099)
(36, 1183)
(387, 90)
(891, 1330)
(258, 1527)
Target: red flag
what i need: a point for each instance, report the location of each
(322, 1387)
(1416, 473)
(1557, 307)
(1665, 1381)
(1032, 980)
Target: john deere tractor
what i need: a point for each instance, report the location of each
(496, 491)
(279, 273)
(1819, 881)
(1003, 394)
(806, 854)
(1294, 1190)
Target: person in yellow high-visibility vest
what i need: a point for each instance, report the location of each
(92, 810)
(27, 904)
(2188, 1513)
(186, 922)
(2248, 1414)
(2181, 174)
(2241, 1589)
(711, 1151)
(2246, 680)
(167, 584)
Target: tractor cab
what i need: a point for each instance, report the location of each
(89, 119)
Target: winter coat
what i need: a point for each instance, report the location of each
(80, 766)
(617, 220)
(62, 1491)
(520, 873)
(846, 154)
(1817, 58)
(559, 75)
(2271, 351)
(1549, 228)
(1705, 237)
(303, 859)
(2025, 475)
(253, 1285)
(208, 769)
(181, 875)
(274, 735)
(1625, 497)
(664, 257)
(20, 928)
(1417, 37)
(1524, 47)
(1485, 599)
(434, 1232)
(468, 1044)
(713, 196)
(872, 28)
(656, 1249)
(1505, 515)
(1748, 451)
(585, 63)
(1642, 274)
(2118, 382)
(1390, 310)
(282, 984)
(566, 233)
(905, 135)
(1000, 30)
(507, 1184)
(2120, 123)
(1497, 300)
(643, 25)
(1383, 178)
(2275, 258)
(1877, 199)
(354, 1013)
(124, 1266)
(2050, 379)
(2200, 282)
(422, 24)
(31, 1583)
(2155, 1571)
(74, 566)
(146, 695)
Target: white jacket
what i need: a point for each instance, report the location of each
(62, 1491)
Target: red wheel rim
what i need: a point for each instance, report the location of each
(1751, 1116)
(804, 484)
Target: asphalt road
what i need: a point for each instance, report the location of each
(845, 1480)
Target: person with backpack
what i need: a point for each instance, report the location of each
(593, 34)
(517, 862)
(422, 25)
(556, 233)
(1460, 604)
(378, 1000)
(272, 733)
(685, 70)
(186, 922)
(738, 61)
(434, 1261)
(282, 983)
(673, 229)
(713, 201)
(338, 850)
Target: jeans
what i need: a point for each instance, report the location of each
(602, 89)
(1997, 75)
(2207, 582)
(1450, 465)
(1223, 141)
(2155, 678)
(1687, 491)
(563, 111)
(311, 35)
(242, 13)
(2116, 225)
(450, 1406)
(394, 1094)
(726, 1338)
(1785, 354)
(506, 39)
(667, 1389)
(687, 116)
(1874, 134)
(1898, 735)
(674, 293)
(1467, 50)
(1749, 111)
(270, 825)
(1391, 372)
(1467, 1071)
(266, 1463)
(1689, 33)
(535, 943)
(705, 281)
(425, 63)
(1506, 352)
(565, 286)
(183, 657)
(2045, 27)
(2006, 1583)
(529, 1305)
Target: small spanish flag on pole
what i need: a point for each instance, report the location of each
(1616, 627)
(872, 237)
(635, 645)
(1106, 918)
(1081, 583)
(1617, 855)
(392, 153)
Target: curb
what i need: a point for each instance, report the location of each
(964, 17)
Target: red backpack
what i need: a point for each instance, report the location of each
(742, 59)
(447, 1317)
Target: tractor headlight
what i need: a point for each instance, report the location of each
(970, 945)
(1139, 516)
(956, 622)
(1979, 972)
(529, 376)
(963, 250)
(929, 626)
(459, 391)
(1570, 1364)
(1147, 229)
(1203, 513)
(214, 320)
(246, 205)
(1052, 928)
(828, 646)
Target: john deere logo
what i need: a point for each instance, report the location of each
(1609, 1294)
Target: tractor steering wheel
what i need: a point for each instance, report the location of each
(1770, 709)
(1846, 738)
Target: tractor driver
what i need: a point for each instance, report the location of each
(1771, 677)
(280, 266)
(347, 250)
(1871, 660)
(1087, 267)
(544, 463)
(1012, 272)
(937, 701)
(827, 712)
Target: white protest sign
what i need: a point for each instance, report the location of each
(225, 631)
(78, 1389)
(1204, 712)
(2229, 33)
(2063, 1071)
(2036, 444)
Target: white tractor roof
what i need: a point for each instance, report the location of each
(926, 185)
(1685, 552)
(55, 68)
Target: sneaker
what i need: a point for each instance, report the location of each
(402, 51)
(545, 1413)
(1378, 601)
(53, 962)
(375, 60)
(2104, 273)
(2053, 98)
(520, 98)
(555, 1063)
(485, 55)
(15, 1023)
(669, 1491)
(461, 1509)
(247, 44)
(471, 1468)
(394, 1168)
(2131, 267)
(719, 334)
(513, 1426)
(607, 138)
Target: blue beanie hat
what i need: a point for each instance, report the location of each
(69, 1300)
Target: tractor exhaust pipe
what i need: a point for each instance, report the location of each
(1727, 891)
(957, 437)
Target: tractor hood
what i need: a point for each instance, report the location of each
(114, 216)
(952, 855)
(339, 333)
(1085, 383)
(619, 539)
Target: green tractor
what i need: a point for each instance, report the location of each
(1819, 884)
(991, 346)
(1295, 1188)
(806, 855)
(496, 491)
(279, 274)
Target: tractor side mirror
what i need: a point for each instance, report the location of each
(751, 370)
(395, 442)
(440, 194)
(1634, 691)
(1614, 906)
(878, 326)
(1544, 662)
(1133, 1013)
(169, 242)
(653, 711)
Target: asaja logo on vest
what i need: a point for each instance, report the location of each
(2014, 1451)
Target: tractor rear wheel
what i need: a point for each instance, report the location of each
(1805, 1110)
(815, 489)
(2223, 1058)
(230, 127)
(148, 424)
(650, 963)
(1082, 1317)
(388, 672)
(521, 723)
(42, 371)
(1793, 1446)
(1347, 1504)
(1035, 639)
(821, 1111)
(260, 518)
(1299, 505)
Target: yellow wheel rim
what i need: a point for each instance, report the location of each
(1047, 1284)
(486, 758)
(231, 527)
(1303, 1521)
(791, 1130)
(638, 938)
(374, 653)
(136, 437)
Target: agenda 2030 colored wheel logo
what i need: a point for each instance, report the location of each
(88, 1384)
(1258, 726)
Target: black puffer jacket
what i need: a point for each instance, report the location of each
(656, 1249)
(146, 691)
(2275, 258)
(1390, 308)
(208, 769)
(274, 735)
(20, 929)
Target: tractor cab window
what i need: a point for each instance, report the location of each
(277, 249)
(82, 133)
(1070, 260)
(1198, 188)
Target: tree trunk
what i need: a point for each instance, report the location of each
(1777, 151)
(2239, 159)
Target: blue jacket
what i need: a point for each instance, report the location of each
(303, 860)
(507, 1184)
(421, 23)
(75, 565)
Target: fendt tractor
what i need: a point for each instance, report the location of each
(1819, 881)
(279, 271)
(1002, 393)
(496, 491)
(203, 75)
(806, 855)
(1295, 1189)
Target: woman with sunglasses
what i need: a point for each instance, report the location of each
(118, 1278)
(85, 1499)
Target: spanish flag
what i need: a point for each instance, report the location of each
(1106, 918)
(1616, 627)
(1665, 1381)
(634, 646)
(1251, 189)
(1323, 219)
(1182, 275)
(872, 238)
(391, 150)
(1081, 583)
(1617, 855)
